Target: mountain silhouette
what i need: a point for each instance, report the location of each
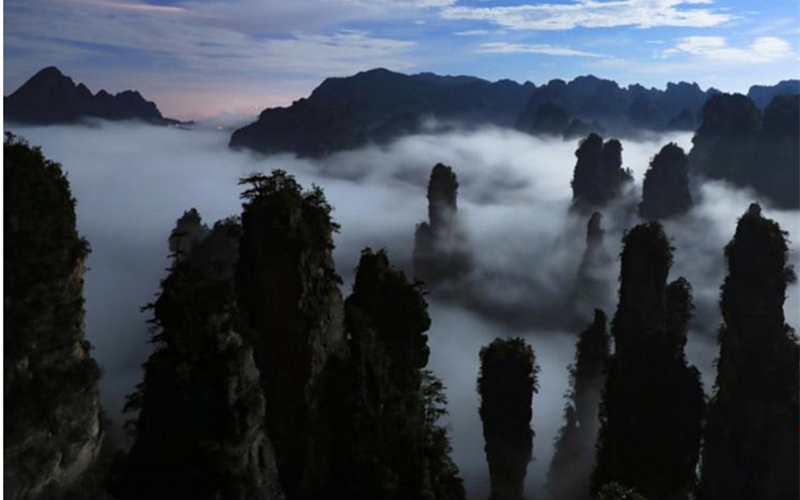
(50, 97)
(378, 106)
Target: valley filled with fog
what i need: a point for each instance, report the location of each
(133, 181)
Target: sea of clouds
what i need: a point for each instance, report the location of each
(132, 182)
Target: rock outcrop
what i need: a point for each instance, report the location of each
(734, 144)
(506, 385)
(50, 97)
(52, 430)
(653, 403)
(591, 287)
(385, 405)
(751, 447)
(440, 251)
(551, 119)
(288, 291)
(598, 176)
(200, 431)
(665, 191)
(574, 457)
(626, 110)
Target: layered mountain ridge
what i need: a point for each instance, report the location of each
(379, 105)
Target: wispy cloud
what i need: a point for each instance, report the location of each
(473, 33)
(139, 7)
(594, 14)
(546, 49)
(716, 48)
(193, 43)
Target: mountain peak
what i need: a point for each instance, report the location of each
(50, 97)
(49, 72)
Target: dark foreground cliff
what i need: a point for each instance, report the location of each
(53, 432)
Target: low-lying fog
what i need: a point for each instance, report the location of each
(133, 181)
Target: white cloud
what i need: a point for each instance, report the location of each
(141, 7)
(594, 14)
(473, 33)
(716, 48)
(516, 48)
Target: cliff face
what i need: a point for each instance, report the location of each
(386, 406)
(590, 289)
(378, 106)
(735, 144)
(626, 109)
(653, 402)
(598, 176)
(574, 457)
(288, 291)
(751, 446)
(506, 385)
(439, 246)
(50, 97)
(52, 427)
(200, 430)
(665, 191)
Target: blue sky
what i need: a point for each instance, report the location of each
(205, 57)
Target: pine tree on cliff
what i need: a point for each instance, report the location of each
(598, 176)
(652, 406)
(439, 252)
(665, 191)
(751, 445)
(389, 405)
(52, 427)
(189, 229)
(288, 291)
(200, 430)
(574, 457)
(506, 385)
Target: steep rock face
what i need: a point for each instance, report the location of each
(50, 97)
(734, 144)
(578, 128)
(751, 446)
(591, 288)
(378, 105)
(574, 457)
(288, 291)
(665, 191)
(52, 428)
(598, 176)
(653, 402)
(506, 385)
(762, 95)
(211, 439)
(200, 432)
(550, 119)
(591, 98)
(386, 406)
(439, 245)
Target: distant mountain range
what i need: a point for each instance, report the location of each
(50, 97)
(380, 105)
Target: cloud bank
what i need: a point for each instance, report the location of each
(133, 181)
